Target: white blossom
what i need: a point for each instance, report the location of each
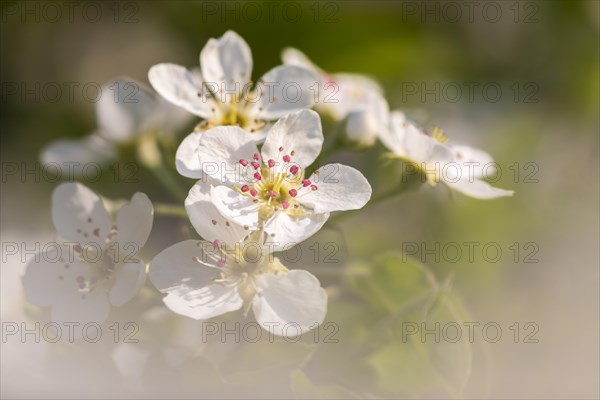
(344, 95)
(222, 93)
(97, 264)
(460, 168)
(125, 111)
(267, 189)
(202, 280)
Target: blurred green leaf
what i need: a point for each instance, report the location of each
(406, 361)
(391, 281)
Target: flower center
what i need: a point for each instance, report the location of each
(240, 264)
(234, 112)
(437, 134)
(277, 185)
(102, 259)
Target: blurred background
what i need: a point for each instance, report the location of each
(518, 79)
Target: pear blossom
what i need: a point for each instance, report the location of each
(202, 280)
(460, 168)
(344, 95)
(125, 111)
(268, 189)
(97, 265)
(223, 94)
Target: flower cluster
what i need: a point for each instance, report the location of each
(250, 155)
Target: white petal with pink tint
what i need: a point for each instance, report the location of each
(79, 214)
(98, 264)
(182, 273)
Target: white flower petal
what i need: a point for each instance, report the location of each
(74, 157)
(357, 84)
(285, 231)
(83, 308)
(47, 278)
(227, 63)
(362, 127)
(235, 206)
(79, 214)
(477, 161)
(369, 121)
(284, 89)
(134, 223)
(289, 301)
(441, 154)
(206, 218)
(204, 303)
(420, 148)
(292, 56)
(300, 132)
(339, 188)
(189, 285)
(417, 145)
(343, 93)
(339, 94)
(478, 189)
(181, 87)
(174, 268)
(126, 109)
(393, 136)
(187, 160)
(129, 279)
(220, 150)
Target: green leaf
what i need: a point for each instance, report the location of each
(338, 361)
(452, 356)
(392, 281)
(402, 370)
(405, 294)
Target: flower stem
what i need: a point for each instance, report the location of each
(150, 156)
(170, 210)
(167, 179)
